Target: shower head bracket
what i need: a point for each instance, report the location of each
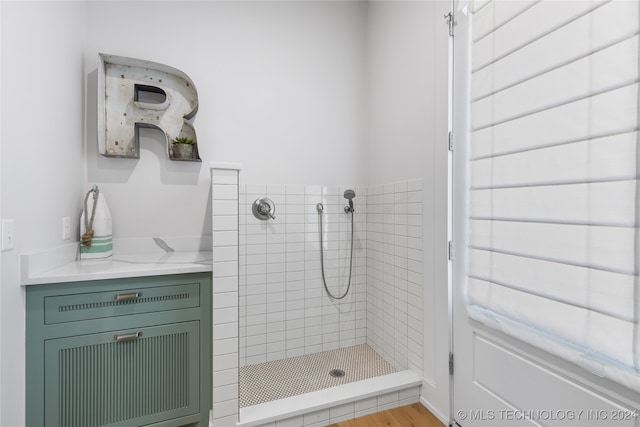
(349, 195)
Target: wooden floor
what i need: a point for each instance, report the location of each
(414, 415)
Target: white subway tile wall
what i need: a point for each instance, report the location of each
(224, 196)
(394, 273)
(284, 309)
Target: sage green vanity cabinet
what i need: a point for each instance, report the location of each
(120, 352)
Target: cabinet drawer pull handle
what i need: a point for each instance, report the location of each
(127, 337)
(127, 297)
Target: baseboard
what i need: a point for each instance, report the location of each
(443, 418)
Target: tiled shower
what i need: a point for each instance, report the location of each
(282, 308)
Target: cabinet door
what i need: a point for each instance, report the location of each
(123, 378)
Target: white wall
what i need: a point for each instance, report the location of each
(281, 91)
(407, 47)
(0, 207)
(42, 156)
(402, 89)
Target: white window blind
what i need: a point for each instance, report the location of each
(554, 246)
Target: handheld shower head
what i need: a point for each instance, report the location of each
(349, 195)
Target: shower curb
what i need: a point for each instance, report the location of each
(277, 410)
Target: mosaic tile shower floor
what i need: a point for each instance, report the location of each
(303, 374)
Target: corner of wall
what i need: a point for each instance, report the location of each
(40, 175)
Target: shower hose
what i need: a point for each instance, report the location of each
(324, 280)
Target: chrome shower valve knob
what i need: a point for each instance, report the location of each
(264, 209)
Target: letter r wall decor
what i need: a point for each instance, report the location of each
(132, 94)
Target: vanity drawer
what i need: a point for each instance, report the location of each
(120, 302)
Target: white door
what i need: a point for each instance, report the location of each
(499, 380)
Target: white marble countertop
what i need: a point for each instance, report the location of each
(60, 265)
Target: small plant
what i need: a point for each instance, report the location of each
(183, 140)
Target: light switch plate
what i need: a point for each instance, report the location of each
(8, 235)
